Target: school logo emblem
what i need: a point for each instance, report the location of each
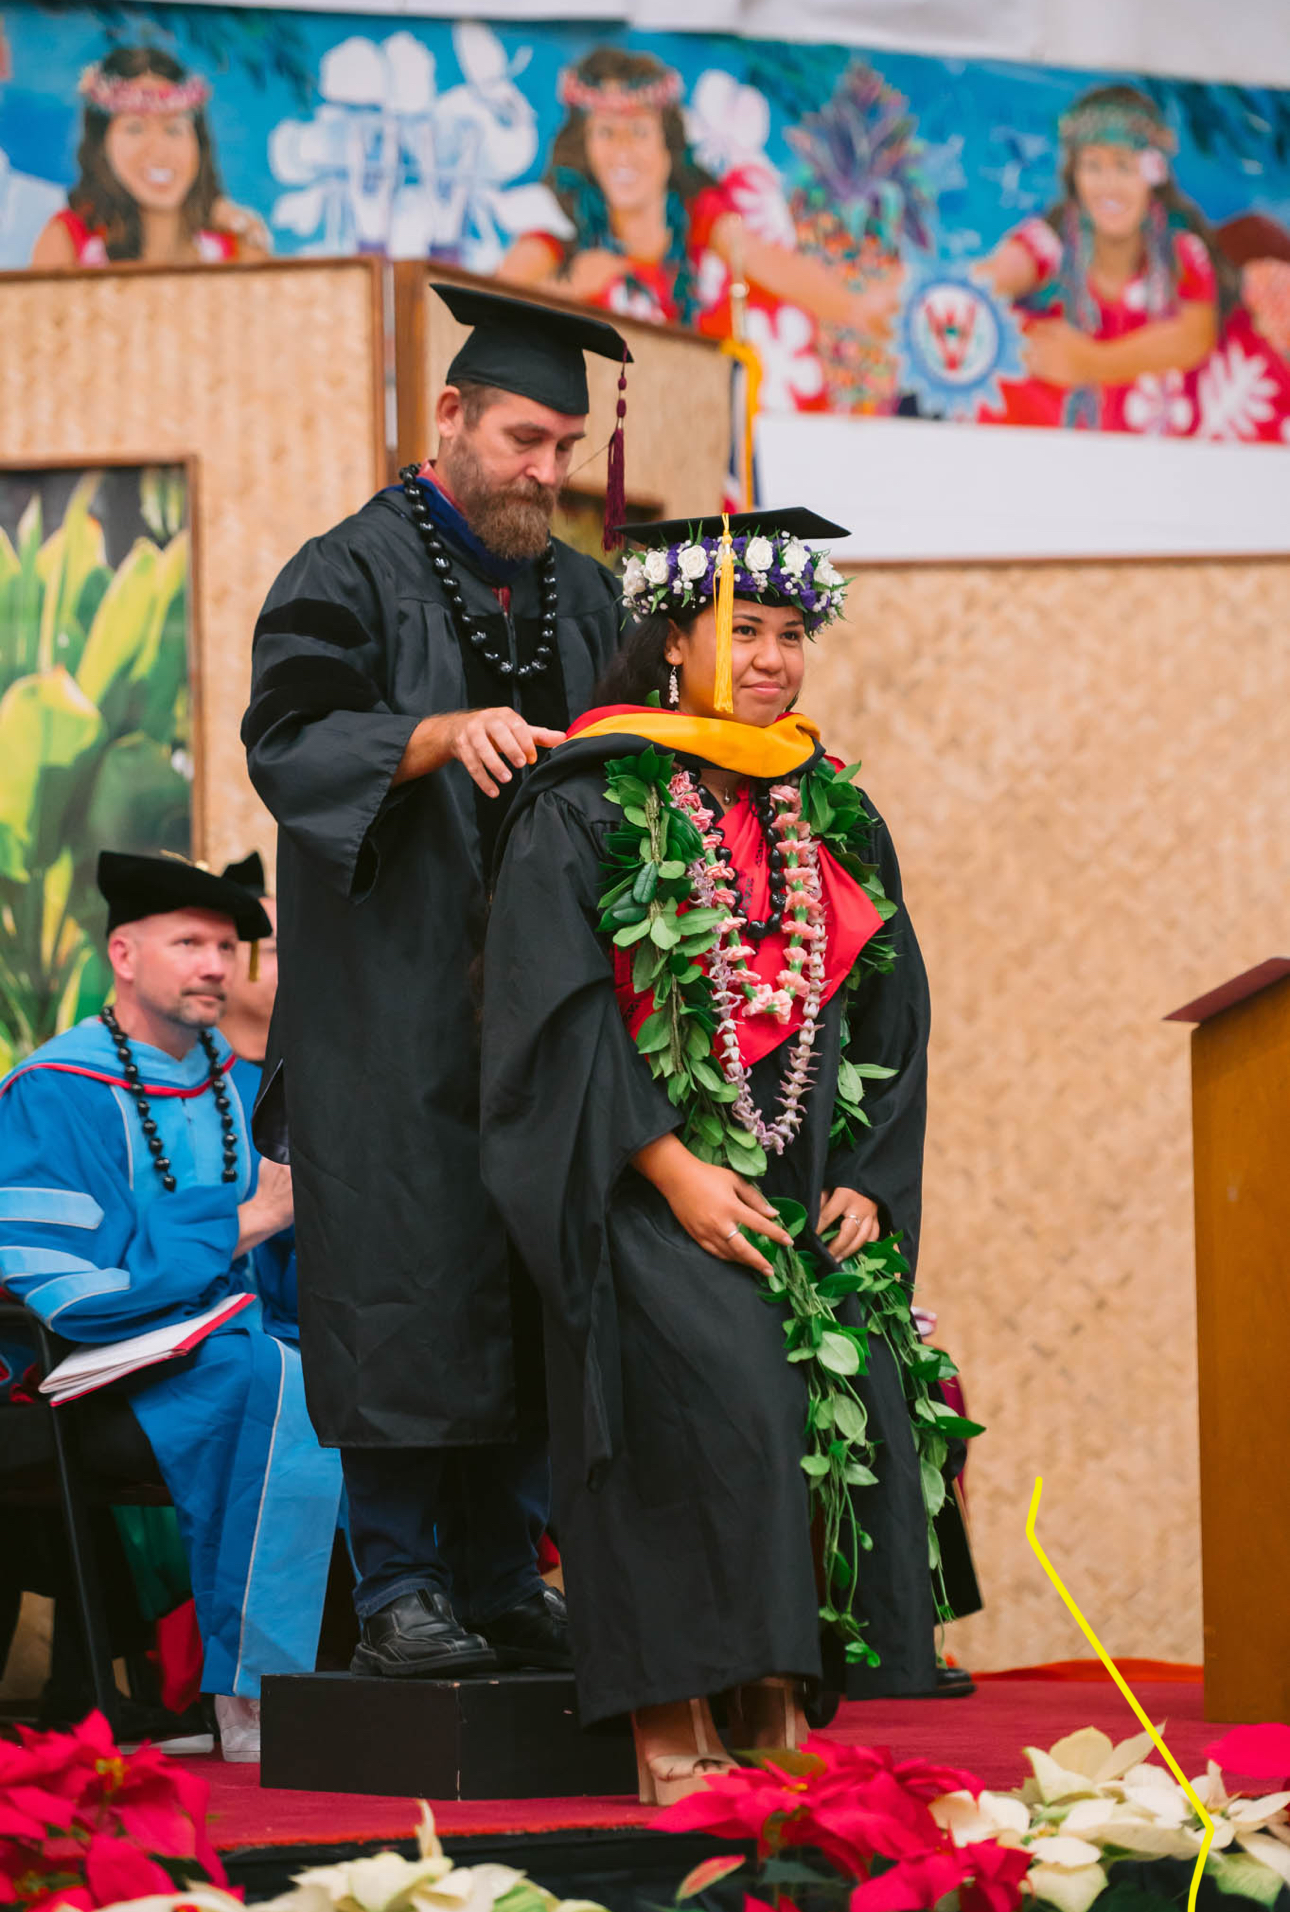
(956, 341)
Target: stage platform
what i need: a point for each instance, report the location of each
(604, 1848)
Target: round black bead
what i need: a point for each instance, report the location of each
(131, 1072)
(229, 1175)
(542, 653)
(149, 1126)
(168, 1183)
(440, 562)
(505, 666)
(156, 1144)
(163, 1164)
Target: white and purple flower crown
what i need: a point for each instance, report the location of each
(678, 577)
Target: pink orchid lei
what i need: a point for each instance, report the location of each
(735, 989)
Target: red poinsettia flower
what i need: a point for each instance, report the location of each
(116, 1869)
(1260, 1752)
(911, 1884)
(853, 1824)
(748, 1802)
(996, 1873)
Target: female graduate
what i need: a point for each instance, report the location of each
(705, 1026)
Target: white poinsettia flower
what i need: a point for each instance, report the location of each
(1090, 1752)
(794, 557)
(692, 561)
(1268, 1851)
(1057, 1782)
(1249, 1815)
(656, 566)
(427, 1837)
(999, 1816)
(634, 577)
(759, 554)
(1069, 1888)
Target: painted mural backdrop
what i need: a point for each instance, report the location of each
(893, 233)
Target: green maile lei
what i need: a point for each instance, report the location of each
(647, 860)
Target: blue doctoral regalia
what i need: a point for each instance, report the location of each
(91, 1241)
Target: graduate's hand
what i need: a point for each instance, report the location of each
(270, 1209)
(711, 1203)
(486, 742)
(856, 1218)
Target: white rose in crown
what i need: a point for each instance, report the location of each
(827, 573)
(656, 566)
(633, 577)
(692, 561)
(794, 557)
(759, 555)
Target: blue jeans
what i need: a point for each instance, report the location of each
(464, 1521)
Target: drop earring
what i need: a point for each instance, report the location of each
(673, 689)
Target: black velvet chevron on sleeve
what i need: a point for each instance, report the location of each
(320, 618)
(304, 687)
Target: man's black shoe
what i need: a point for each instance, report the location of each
(534, 1633)
(418, 1636)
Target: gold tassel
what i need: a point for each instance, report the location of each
(723, 690)
(253, 966)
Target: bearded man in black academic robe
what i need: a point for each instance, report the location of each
(408, 667)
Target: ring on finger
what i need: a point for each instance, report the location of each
(734, 1231)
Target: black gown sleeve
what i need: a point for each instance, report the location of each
(889, 1018)
(322, 744)
(567, 1099)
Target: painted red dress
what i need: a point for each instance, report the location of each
(1240, 392)
(784, 336)
(91, 242)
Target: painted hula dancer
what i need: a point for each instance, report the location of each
(408, 667)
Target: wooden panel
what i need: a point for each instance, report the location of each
(678, 399)
(269, 377)
(1241, 1123)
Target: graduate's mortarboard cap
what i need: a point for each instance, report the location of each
(794, 521)
(139, 886)
(249, 873)
(537, 352)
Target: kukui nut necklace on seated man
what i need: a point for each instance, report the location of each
(467, 623)
(130, 1070)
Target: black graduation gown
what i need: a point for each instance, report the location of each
(406, 1307)
(677, 1425)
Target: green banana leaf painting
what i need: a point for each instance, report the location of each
(95, 735)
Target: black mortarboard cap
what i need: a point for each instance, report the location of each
(139, 886)
(249, 873)
(794, 521)
(534, 350)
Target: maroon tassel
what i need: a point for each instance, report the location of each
(616, 475)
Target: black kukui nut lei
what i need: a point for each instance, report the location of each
(130, 1070)
(466, 621)
(764, 811)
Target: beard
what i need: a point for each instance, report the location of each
(513, 521)
(190, 1013)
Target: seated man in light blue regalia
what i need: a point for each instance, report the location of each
(131, 1198)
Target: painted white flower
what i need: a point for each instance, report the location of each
(759, 554)
(1153, 166)
(692, 561)
(794, 557)
(656, 566)
(1158, 405)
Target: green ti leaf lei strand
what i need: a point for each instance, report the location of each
(646, 909)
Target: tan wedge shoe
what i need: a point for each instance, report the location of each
(664, 1777)
(766, 1715)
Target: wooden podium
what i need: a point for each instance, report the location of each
(1240, 1060)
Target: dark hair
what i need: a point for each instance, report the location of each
(571, 179)
(639, 667)
(1172, 212)
(98, 196)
